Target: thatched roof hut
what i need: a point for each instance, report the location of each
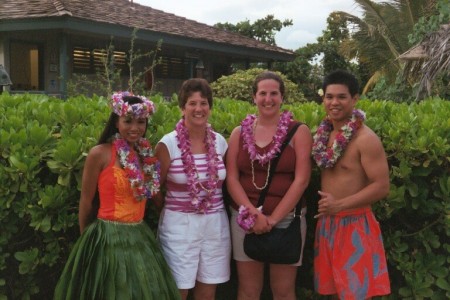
(428, 59)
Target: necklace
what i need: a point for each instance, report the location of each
(144, 183)
(247, 129)
(248, 126)
(267, 177)
(193, 181)
(327, 157)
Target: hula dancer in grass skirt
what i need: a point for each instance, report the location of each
(117, 256)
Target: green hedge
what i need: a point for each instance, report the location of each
(44, 141)
(239, 86)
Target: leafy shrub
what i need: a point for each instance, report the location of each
(239, 86)
(44, 141)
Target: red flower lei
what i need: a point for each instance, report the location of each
(193, 181)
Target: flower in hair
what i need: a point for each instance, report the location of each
(137, 110)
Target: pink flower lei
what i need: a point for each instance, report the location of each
(246, 220)
(146, 183)
(193, 181)
(328, 157)
(247, 131)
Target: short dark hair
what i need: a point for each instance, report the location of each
(110, 127)
(268, 75)
(191, 86)
(342, 77)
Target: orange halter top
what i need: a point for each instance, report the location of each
(117, 202)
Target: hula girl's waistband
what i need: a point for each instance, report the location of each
(115, 222)
(354, 212)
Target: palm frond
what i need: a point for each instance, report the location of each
(381, 34)
(433, 59)
(372, 81)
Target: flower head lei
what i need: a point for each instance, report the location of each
(200, 203)
(146, 183)
(247, 131)
(137, 110)
(328, 157)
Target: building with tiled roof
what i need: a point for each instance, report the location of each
(43, 42)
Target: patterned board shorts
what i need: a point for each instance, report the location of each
(349, 257)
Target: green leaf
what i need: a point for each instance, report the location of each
(422, 171)
(405, 292)
(17, 163)
(28, 260)
(424, 292)
(46, 224)
(443, 283)
(64, 179)
(440, 272)
(413, 189)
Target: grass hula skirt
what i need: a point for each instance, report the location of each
(113, 260)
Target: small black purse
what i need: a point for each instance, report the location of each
(280, 245)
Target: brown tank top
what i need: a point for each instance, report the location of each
(282, 179)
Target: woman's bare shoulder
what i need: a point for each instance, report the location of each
(101, 149)
(100, 155)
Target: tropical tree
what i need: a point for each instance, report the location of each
(304, 70)
(329, 43)
(380, 36)
(316, 59)
(263, 30)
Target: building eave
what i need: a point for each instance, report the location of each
(68, 23)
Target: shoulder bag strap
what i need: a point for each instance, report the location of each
(274, 163)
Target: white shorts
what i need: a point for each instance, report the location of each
(196, 246)
(238, 234)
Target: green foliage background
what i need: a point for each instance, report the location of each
(239, 86)
(44, 141)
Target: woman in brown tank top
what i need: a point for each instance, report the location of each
(251, 148)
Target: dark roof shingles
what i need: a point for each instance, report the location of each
(126, 13)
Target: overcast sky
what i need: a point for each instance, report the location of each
(309, 16)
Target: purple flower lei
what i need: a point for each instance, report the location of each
(328, 157)
(146, 183)
(247, 127)
(194, 184)
(137, 110)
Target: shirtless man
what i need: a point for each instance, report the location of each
(349, 260)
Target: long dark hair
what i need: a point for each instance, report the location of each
(111, 127)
